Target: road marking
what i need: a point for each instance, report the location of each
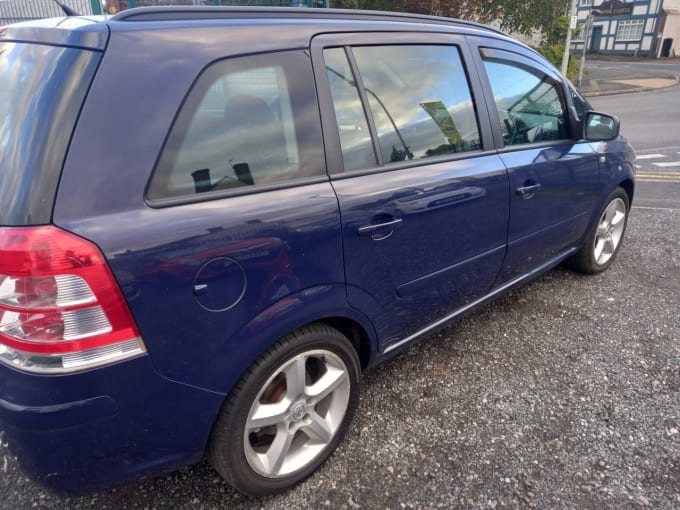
(658, 174)
(658, 179)
(668, 148)
(677, 179)
(667, 164)
(651, 156)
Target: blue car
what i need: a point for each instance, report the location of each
(213, 220)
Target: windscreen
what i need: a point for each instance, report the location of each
(42, 89)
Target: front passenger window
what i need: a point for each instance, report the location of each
(528, 103)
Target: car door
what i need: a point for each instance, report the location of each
(238, 240)
(423, 201)
(554, 180)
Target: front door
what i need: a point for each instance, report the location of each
(553, 178)
(423, 207)
(596, 39)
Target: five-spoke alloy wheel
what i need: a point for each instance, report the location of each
(604, 241)
(288, 412)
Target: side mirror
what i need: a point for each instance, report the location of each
(600, 127)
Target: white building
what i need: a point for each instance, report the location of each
(630, 27)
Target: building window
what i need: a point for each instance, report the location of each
(586, 3)
(630, 30)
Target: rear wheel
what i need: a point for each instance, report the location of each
(605, 239)
(288, 413)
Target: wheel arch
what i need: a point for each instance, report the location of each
(325, 304)
(357, 335)
(629, 187)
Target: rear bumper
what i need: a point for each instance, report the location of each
(91, 430)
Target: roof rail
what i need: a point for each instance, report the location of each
(168, 13)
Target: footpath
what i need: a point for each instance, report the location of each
(596, 84)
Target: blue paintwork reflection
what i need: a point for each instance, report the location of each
(451, 240)
(286, 241)
(558, 213)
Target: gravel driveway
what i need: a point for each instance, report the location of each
(563, 394)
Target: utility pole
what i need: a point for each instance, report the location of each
(567, 44)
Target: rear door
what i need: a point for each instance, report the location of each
(237, 240)
(554, 181)
(423, 202)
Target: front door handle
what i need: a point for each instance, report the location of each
(528, 191)
(380, 231)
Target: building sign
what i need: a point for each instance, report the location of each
(614, 8)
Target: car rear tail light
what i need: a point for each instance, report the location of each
(61, 309)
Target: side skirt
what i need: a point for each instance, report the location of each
(431, 328)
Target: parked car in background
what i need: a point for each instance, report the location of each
(212, 220)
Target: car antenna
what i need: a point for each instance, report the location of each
(67, 10)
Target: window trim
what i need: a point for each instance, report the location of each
(365, 105)
(484, 51)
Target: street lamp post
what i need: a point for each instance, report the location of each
(586, 41)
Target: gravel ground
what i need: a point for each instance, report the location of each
(563, 394)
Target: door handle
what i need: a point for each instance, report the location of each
(528, 191)
(381, 230)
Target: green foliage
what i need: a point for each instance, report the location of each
(526, 17)
(553, 53)
(557, 33)
(545, 18)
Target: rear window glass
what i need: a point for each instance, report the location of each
(42, 89)
(247, 122)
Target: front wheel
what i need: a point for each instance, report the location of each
(605, 239)
(288, 412)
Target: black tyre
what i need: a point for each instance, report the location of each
(604, 241)
(288, 412)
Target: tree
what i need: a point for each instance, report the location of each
(526, 17)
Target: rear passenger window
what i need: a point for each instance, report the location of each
(528, 103)
(418, 96)
(246, 122)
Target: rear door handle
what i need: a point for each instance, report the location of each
(528, 191)
(381, 230)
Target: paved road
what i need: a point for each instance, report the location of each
(608, 69)
(606, 77)
(651, 121)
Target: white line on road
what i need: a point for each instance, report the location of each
(668, 148)
(667, 164)
(651, 156)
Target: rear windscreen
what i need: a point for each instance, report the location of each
(42, 89)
